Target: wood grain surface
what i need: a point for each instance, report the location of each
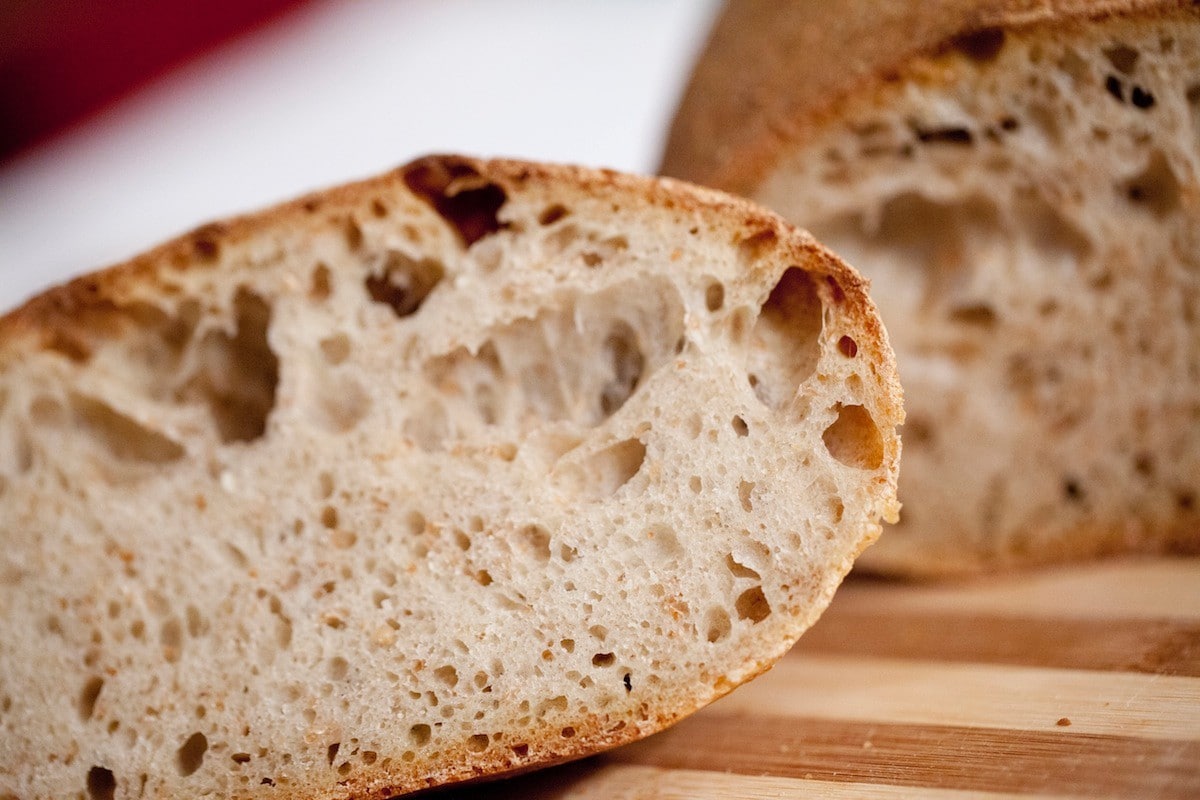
(1073, 682)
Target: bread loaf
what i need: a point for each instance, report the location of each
(1021, 183)
(470, 468)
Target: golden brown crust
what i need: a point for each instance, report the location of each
(63, 316)
(773, 72)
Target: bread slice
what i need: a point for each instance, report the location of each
(1021, 183)
(470, 468)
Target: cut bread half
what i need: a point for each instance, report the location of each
(470, 468)
(1021, 183)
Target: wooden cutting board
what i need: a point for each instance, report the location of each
(1076, 682)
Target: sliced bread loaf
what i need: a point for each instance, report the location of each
(470, 468)
(1021, 182)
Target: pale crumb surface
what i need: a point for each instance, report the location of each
(356, 497)
(1027, 206)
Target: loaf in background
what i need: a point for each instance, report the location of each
(1021, 184)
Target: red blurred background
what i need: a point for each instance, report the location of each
(62, 61)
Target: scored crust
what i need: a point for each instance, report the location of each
(225, 405)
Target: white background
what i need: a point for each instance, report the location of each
(341, 90)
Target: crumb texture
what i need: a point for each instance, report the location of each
(1026, 203)
(473, 467)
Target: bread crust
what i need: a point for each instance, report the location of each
(66, 317)
(773, 73)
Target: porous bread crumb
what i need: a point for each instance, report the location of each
(453, 472)
(1024, 198)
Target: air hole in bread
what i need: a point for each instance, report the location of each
(755, 246)
(837, 509)
(604, 659)
(332, 751)
(1156, 188)
(1072, 490)
(847, 346)
(343, 539)
(447, 675)
(854, 439)
(714, 296)
(739, 426)
(206, 242)
(601, 474)
(329, 517)
(339, 668)
(170, 637)
(982, 45)
(325, 485)
(89, 696)
(534, 540)
(785, 340)
(695, 484)
(717, 625)
(623, 353)
(429, 427)
(353, 233)
(336, 348)
(979, 315)
(403, 283)
(1123, 58)
(196, 624)
(341, 404)
(190, 756)
(738, 569)
(320, 286)
(101, 784)
(464, 198)
(666, 541)
(752, 605)
(745, 488)
(122, 437)
(552, 214)
(478, 743)
(1056, 237)
(238, 374)
(557, 703)
(948, 135)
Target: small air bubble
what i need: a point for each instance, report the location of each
(88, 697)
(752, 605)
(447, 675)
(714, 297)
(329, 517)
(101, 785)
(740, 427)
(419, 735)
(603, 659)
(190, 755)
(745, 489)
(552, 214)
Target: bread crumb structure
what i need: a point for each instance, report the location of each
(469, 468)
(1022, 187)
